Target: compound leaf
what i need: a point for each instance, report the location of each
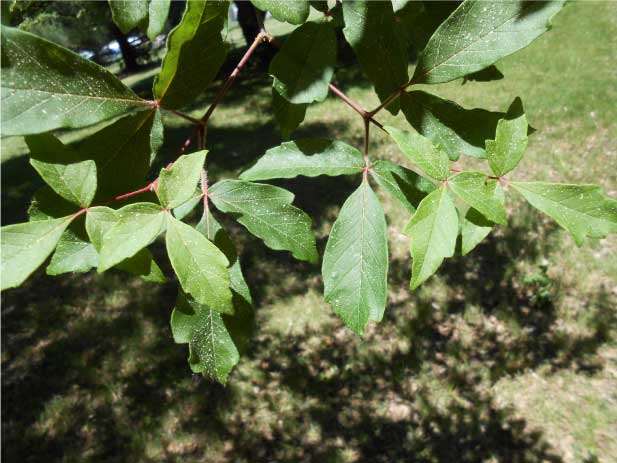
(195, 52)
(303, 67)
(478, 33)
(433, 230)
(267, 213)
(403, 184)
(506, 151)
(137, 226)
(355, 262)
(432, 159)
(62, 169)
(201, 266)
(371, 32)
(583, 210)
(177, 184)
(25, 246)
(475, 189)
(291, 11)
(310, 157)
(45, 87)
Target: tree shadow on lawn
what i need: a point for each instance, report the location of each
(90, 371)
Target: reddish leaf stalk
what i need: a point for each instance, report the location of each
(232, 77)
(204, 188)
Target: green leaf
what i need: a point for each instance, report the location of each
(99, 220)
(458, 130)
(475, 189)
(62, 169)
(291, 11)
(267, 213)
(475, 227)
(478, 33)
(177, 184)
(148, 15)
(241, 323)
(433, 230)
(25, 246)
(370, 30)
(303, 67)
(432, 159)
(123, 152)
(195, 52)
(288, 116)
(74, 253)
(310, 157)
(201, 266)
(212, 229)
(137, 226)
(583, 210)
(403, 184)
(211, 346)
(45, 87)
(506, 151)
(47, 204)
(187, 207)
(355, 263)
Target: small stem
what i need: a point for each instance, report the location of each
(232, 77)
(391, 98)
(186, 116)
(204, 188)
(455, 169)
(367, 126)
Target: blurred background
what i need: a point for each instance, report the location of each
(506, 355)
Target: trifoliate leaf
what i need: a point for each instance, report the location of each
(201, 266)
(433, 230)
(405, 185)
(310, 157)
(25, 246)
(371, 32)
(475, 189)
(355, 263)
(196, 51)
(137, 226)
(583, 210)
(291, 11)
(506, 151)
(475, 227)
(432, 159)
(177, 184)
(303, 67)
(46, 86)
(267, 213)
(478, 33)
(459, 130)
(62, 169)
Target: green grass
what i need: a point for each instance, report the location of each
(506, 355)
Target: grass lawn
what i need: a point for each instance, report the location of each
(508, 354)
